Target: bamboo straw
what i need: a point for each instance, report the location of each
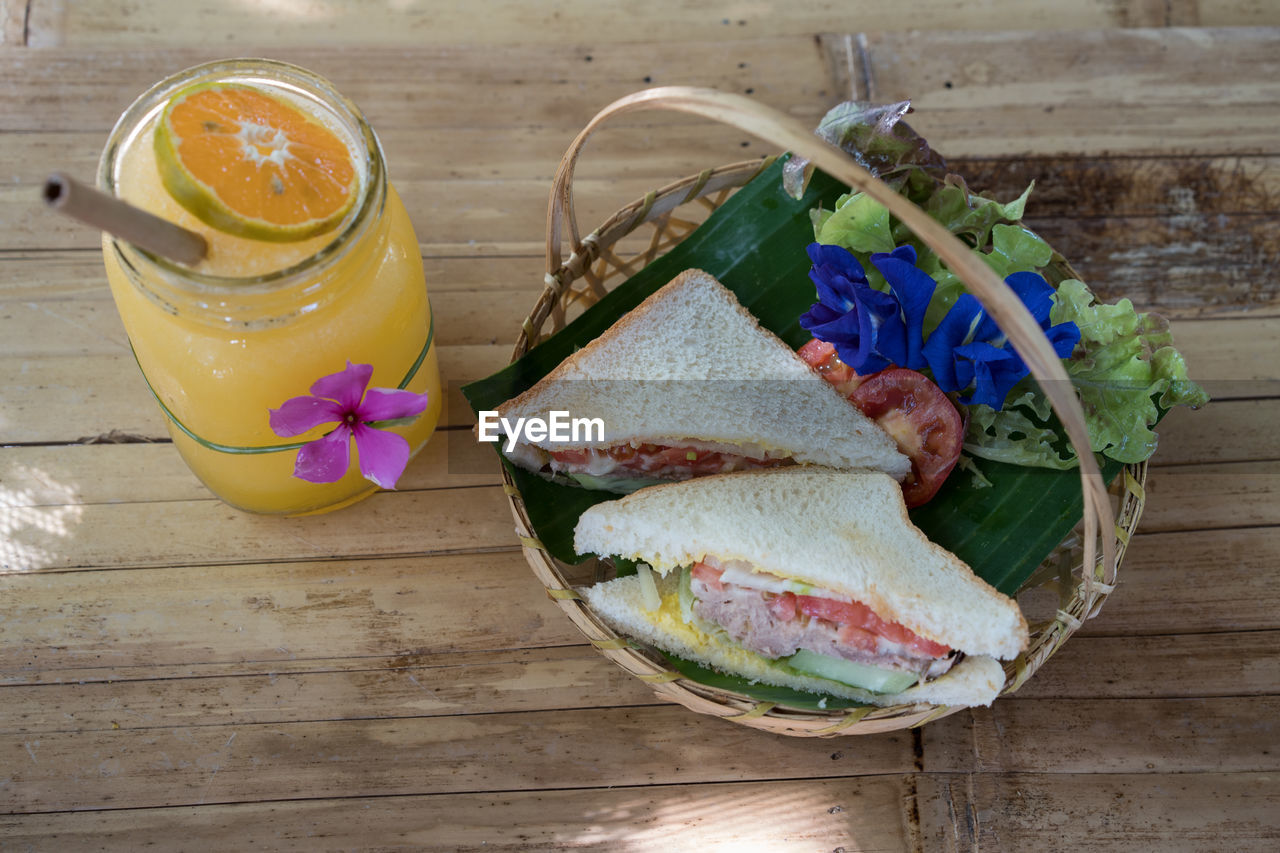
(107, 213)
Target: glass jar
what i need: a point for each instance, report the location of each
(256, 323)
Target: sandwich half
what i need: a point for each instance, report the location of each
(686, 384)
(803, 577)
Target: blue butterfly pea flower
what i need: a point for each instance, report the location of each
(849, 312)
(872, 330)
(901, 336)
(967, 349)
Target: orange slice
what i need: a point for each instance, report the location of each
(253, 165)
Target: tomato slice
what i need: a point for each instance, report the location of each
(648, 458)
(858, 638)
(822, 357)
(708, 575)
(923, 421)
(908, 406)
(857, 622)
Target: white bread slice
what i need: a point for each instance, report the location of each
(712, 376)
(975, 680)
(846, 531)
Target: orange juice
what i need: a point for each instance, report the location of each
(256, 323)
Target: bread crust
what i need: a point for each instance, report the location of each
(691, 364)
(846, 531)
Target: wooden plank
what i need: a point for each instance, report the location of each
(353, 758)
(1153, 184)
(48, 527)
(83, 474)
(156, 24)
(1173, 258)
(79, 397)
(1049, 93)
(1216, 265)
(1168, 665)
(13, 23)
(68, 627)
(267, 616)
(77, 474)
(1162, 264)
(1063, 813)
(208, 532)
(1233, 734)
(1191, 497)
(69, 354)
(436, 685)
(1105, 812)
(1233, 359)
(1007, 93)
(1202, 265)
(1192, 582)
(629, 746)
(855, 814)
(1066, 187)
(523, 84)
(62, 313)
(1223, 431)
(1204, 497)
(1124, 186)
(107, 698)
(1171, 262)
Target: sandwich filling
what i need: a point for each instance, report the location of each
(636, 460)
(809, 627)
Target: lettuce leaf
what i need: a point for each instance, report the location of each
(1124, 361)
(970, 216)
(1125, 372)
(877, 138)
(1022, 433)
(859, 223)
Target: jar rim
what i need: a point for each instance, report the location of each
(276, 73)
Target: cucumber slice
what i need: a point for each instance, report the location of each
(648, 588)
(619, 485)
(848, 672)
(686, 595)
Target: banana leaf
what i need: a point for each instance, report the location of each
(754, 243)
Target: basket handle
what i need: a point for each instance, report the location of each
(1000, 301)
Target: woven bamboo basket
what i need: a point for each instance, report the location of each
(1067, 589)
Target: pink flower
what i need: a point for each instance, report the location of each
(337, 398)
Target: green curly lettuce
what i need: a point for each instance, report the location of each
(970, 216)
(859, 223)
(881, 142)
(1125, 370)
(1124, 360)
(1021, 433)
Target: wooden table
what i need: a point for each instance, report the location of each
(176, 674)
